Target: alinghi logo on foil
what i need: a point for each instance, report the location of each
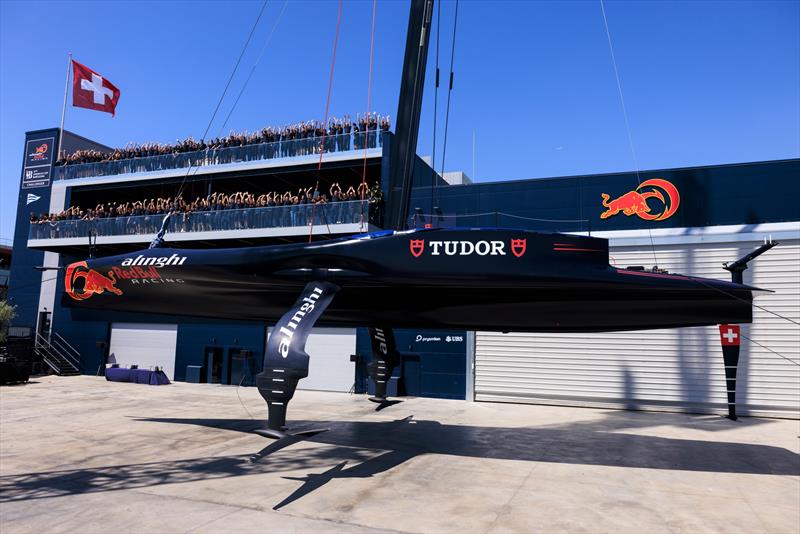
(288, 331)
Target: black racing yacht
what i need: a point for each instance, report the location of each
(470, 279)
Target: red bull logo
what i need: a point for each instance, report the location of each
(39, 152)
(636, 202)
(81, 282)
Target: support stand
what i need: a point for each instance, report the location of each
(730, 337)
(730, 334)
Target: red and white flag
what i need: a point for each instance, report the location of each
(90, 90)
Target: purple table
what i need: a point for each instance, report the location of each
(137, 376)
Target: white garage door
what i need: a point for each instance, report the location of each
(329, 368)
(661, 369)
(146, 345)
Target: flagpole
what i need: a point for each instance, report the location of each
(64, 107)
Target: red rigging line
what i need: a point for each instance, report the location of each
(327, 106)
(369, 96)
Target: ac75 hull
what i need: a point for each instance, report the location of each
(479, 279)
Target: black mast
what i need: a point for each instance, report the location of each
(404, 149)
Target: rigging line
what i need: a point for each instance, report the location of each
(436, 100)
(369, 96)
(513, 216)
(325, 124)
(235, 68)
(240, 398)
(450, 89)
(769, 349)
(625, 116)
(745, 300)
(222, 96)
(252, 70)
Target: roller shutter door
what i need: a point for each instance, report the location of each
(662, 369)
(329, 368)
(146, 345)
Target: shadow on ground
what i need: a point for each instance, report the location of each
(372, 447)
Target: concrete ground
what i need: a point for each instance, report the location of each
(83, 454)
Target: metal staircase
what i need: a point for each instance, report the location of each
(57, 354)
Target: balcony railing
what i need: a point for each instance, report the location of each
(351, 212)
(287, 148)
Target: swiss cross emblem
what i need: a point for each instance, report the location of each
(730, 334)
(518, 247)
(417, 246)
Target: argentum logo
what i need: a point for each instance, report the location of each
(288, 331)
(158, 262)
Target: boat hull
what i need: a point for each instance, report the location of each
(503, 280)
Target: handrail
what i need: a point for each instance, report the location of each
(249, 218)
(63, 341)
(491, 218)
(72, 359)
(52, 350)
(51, 365)
(43, 346)
(285, 148)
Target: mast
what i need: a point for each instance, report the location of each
(403, 151)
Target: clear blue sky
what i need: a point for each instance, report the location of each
(704, 82)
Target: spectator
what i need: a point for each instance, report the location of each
(300, 139)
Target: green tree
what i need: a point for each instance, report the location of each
(7, 312)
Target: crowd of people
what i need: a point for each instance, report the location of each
(217, 211)
(303, 138)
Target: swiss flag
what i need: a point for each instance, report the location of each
(730, 335)
(90, 90)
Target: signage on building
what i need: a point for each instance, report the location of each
(665, 196)
(39, 154)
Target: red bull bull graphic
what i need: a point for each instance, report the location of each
(92, 282)
(636, 202)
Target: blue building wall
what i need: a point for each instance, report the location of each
(746, 193)
(434, 363)
(25, 282)
(194, 338)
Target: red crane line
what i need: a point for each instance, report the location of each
(327, 106)
(369, 96)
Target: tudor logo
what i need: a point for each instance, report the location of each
(467, 248)
(518, 247)
(417, 246)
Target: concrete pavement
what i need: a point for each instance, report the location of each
(84, 454)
